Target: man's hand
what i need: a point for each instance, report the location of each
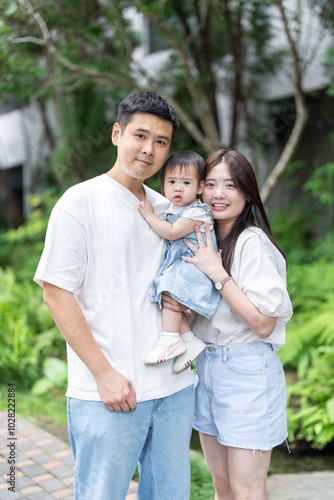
(116, 391)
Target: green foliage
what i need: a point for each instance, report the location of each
(320, 185)
(311, 400)
(295, 244)
(86, 148)
(21, 75)
(309, 350)
(312, 214)
(55, 375)
(312, 295)
(21, 248)
(27, 331)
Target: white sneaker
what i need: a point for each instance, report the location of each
(194, 348)
(166, 348)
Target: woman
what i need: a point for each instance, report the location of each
(241, 393)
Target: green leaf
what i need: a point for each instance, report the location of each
(11, 9)
(55, 370)
(330, 409)
(42, 386)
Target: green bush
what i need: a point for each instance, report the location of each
(54, 376)
(311, 400)
(27, 332)
(28, 335)
(309, 350)
(21, 248)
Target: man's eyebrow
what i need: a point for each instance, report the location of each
(165, 137)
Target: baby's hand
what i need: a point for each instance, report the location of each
(145, 208)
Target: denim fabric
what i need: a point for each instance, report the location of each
(184, 281)
(107, 447)
(241, 396)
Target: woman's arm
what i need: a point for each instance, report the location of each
(210, 263)
(116, 391)
(179, 229)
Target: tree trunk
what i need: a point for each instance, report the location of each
(12, 209)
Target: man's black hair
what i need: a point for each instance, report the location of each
(146, 102)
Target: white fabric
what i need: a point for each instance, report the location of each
(100, 248)
(258, 269)
(194, 213)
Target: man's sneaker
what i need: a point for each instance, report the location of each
(194, 348)
(166, 348)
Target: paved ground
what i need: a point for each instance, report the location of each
(43, 464)
(301, 486)
(44, 470)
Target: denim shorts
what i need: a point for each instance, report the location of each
(241, 396)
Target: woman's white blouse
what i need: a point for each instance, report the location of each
(259, 270)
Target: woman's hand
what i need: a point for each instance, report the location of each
(205, 257)
(145, 208)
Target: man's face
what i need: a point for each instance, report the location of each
(143, 146)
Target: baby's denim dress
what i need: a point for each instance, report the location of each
(183, 280)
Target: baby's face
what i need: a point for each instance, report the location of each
(181, 186)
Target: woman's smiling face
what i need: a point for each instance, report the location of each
(226, 202)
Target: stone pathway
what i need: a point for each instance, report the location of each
(44, 470)
(42, 465)
(301, 486)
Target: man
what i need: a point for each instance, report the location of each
(97, 270)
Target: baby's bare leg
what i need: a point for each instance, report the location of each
(171, 320)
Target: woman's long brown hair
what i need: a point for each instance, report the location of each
(253, 214)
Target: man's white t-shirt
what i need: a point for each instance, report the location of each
(100, 248)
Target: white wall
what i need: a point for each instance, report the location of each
(23, 142)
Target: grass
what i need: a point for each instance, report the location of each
(47, 411)
(201, 480)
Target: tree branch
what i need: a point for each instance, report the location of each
(92, 74)
(27, 39)
(101, 77)
(210, 141)
(301, 114)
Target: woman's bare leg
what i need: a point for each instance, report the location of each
(237, 474)
(216, 457)
(248, 471)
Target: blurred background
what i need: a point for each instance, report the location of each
(249, 74)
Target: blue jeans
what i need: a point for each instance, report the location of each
(107, 447)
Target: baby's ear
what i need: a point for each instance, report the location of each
(200, 187)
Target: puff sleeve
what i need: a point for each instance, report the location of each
(261, 274)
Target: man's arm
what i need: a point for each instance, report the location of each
(116, 391)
